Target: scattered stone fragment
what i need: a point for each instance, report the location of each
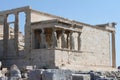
(15, 73)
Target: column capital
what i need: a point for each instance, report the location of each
(71, 32)
(42, 29)
(113, 32)
(63, 31)
(53, 28)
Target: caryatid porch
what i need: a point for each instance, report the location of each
(58, 36)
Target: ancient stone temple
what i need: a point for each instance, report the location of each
(56, 42)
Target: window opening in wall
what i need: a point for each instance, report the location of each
(11, 41)
(11, 22)
(11, 18)
(11, 36)
(22, 22)
(11, 31)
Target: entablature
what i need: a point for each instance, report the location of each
(58, 24)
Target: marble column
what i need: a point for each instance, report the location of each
(113, 51)
(79, 41)
(68, 40)
(5, 36)
(54, 38)
(16, 34)
(72, 46)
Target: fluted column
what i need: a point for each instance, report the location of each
(5, 36)
(113, 51)
(16, 34)
(54, 38)
(79, 41)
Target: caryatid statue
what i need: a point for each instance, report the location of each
(54, 38)
(72, 45)
(43, 43)
(63, 40)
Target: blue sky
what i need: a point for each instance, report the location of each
(88, 11)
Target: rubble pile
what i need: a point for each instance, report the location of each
(14, 73)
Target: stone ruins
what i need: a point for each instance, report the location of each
(53, 42)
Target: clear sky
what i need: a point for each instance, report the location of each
(87, 11)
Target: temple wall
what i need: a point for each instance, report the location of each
(35, 17)
(94, 50)
(75, 36)
(42, 58)
(96, 42)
